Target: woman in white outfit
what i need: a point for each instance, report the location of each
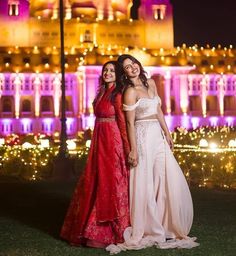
(161, 206)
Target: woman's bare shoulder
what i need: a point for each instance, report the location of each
(130, 95)
(130, 91)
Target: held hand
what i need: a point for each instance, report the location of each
(170, 141)
(133, 158)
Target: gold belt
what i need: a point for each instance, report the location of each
(106, 119)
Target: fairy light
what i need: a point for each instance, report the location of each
(199, 162)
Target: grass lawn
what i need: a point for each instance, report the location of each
(31, 215)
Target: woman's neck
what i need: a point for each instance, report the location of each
(109, 85)
(136, 81)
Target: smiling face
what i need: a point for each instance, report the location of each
(131, 68)
(109, 74)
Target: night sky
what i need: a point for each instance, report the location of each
(204, 21)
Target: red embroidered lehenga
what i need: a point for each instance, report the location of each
(99, 210)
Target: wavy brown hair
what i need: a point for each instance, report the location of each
(123, 79)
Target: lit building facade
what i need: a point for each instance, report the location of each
(197, 85)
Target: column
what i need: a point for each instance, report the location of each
(57, 94)
(176, 88)
(220, 84)
(37, 83)
(184, 101)
(81, 89)
(92, 81)
(75, 94)
(2, 78)
(167, 91)
(203, 95)
(17, 85)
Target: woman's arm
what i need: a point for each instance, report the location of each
(129, 100)
(161, 117)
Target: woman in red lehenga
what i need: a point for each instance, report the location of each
(99, 210)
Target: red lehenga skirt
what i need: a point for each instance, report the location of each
(99, 209)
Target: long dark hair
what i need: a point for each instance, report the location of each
(102, 84)
(125, 80)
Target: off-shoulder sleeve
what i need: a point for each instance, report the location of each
(129, 107)
(120, 117)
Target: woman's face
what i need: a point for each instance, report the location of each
(109, 74)
(131, 68)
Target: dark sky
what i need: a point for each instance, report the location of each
(201, 22)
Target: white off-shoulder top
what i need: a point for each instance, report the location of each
(144, 107)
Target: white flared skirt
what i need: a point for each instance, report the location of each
(161, 206)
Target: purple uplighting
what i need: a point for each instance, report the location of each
(22, 97)
(14, 9)
(194, 91)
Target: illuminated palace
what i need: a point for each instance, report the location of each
(197, 85)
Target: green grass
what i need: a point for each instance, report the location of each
(31, 215)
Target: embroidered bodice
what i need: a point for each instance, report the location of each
(144, 107)
(104, 108)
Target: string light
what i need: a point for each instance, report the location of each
(202, 165)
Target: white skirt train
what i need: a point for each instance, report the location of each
(161, 206)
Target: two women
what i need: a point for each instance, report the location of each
(160, 203)
(99, 210)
